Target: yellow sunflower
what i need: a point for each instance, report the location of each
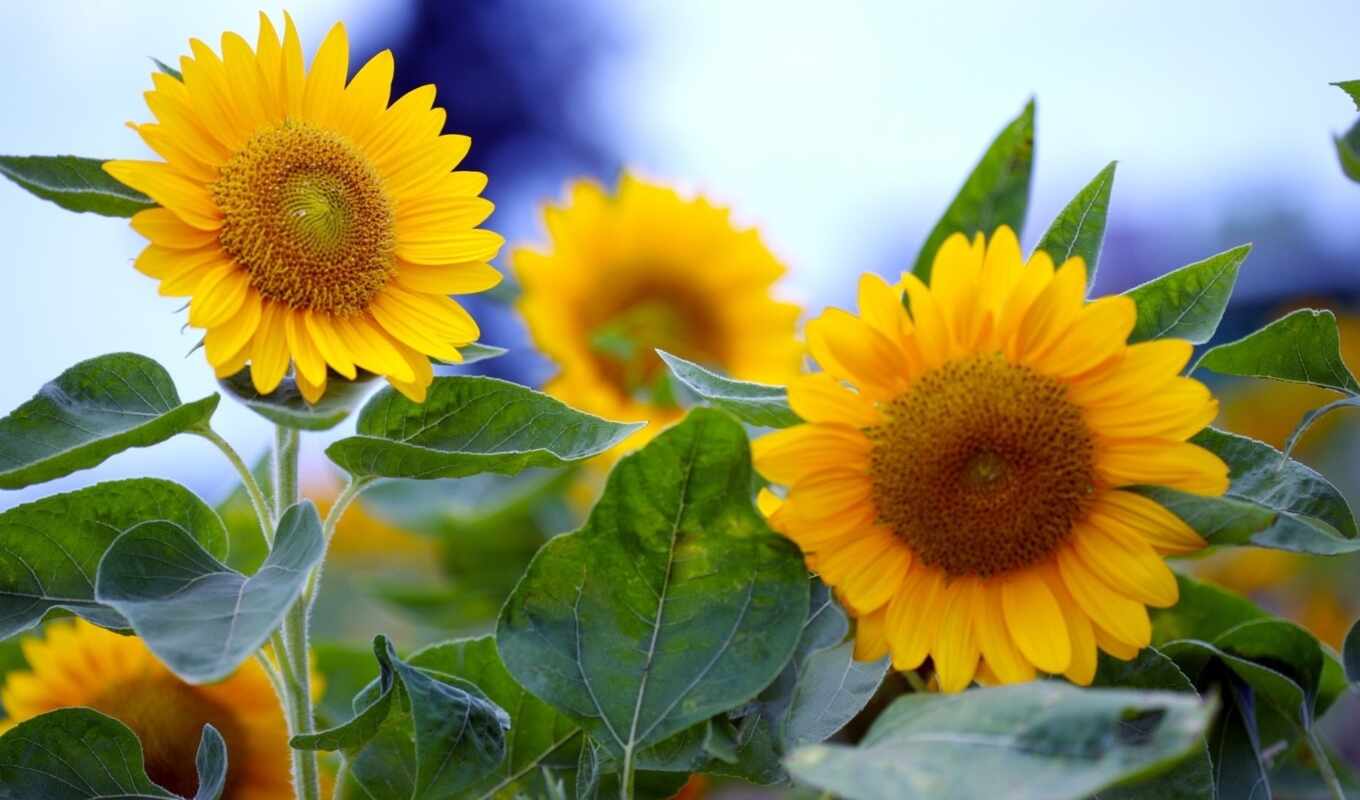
(308, 221)
(642, 269)
(78, 664)
(959, 479)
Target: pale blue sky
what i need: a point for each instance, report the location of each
(841, 134)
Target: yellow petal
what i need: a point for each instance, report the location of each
(1036, 621)
(789, 455)
(956, 651)
(294, 77)
(995, 641)
(371, 348)
(366, 96)
(830, 493)
(402, 328)
(164, 229)
(880, 306)
(189, 201)
(416, 388)
(1180, 465)
(1052, 315)
(269, 352)
(870, 642)
(328, 341)
(229, 339)
(877, 581)
(933, 339)
(441, 212)
(1082, 670)
(419, 170)
(450, 247)
(1100, 332)
(1144, 369)
(1162, 529)
(1124, 618)
(821, 398)
(1181, 409)
(311, 392)
(869, 360)
(914, 616)
(321, 98)
(1124, 561)
(306, 355)
(441, 316)
(218, 295)
(467, 278)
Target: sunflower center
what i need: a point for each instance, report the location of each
(625, 345)
(168, 717)
(306, 215)
(982, 466)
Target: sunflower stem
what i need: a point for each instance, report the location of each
(252, 487)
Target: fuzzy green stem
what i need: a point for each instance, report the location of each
(252, 487)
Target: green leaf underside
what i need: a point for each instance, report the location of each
(1272, 501)
(50, 549)
(1303, 347)
(1079, 229)
(1350, 654)
(75, 184)
(199, 616)
(80, 754)
(754, 403)
(286, 406)
(539, 736)
(475, 352)
(1348, 152)
(670, 605)
(415, 734)
(92, 411)
(1042, 740)
(469, 425)
(996, 193)
(1187, 303)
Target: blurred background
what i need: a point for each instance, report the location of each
(841, 134)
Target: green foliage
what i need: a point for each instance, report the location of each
(1187, 303)
(1303, 347)
(996, 193)
(80, 754)
(285, 405)
(1350, 653)
(94, 410)
(1351, 88)
(670, 606)
(50, 549)
(1079, 229)
(75, 184)
(1348, 152)
(470, 425)
(416, 735)
(1043, 740)
(345, 670)
(475, 352)
(754, 403)
(1273, 501)
(199, 616)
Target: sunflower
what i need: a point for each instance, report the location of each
(646, 268)
(961, 480)
(78, 664)
(306, 220)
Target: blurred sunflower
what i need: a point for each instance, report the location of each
(963, 493)
(307, 221)
(1305, 589)
(78, 664)
(646, 268)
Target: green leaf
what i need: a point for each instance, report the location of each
(80, 754)
(416, 734)
(670, 606)
(75, 184)
(1187, 303)
(755, 403)
(1348, 152)
(1272, 501)
(345, 670)
(1303, 347)
(1042, 740)
(50, 549)
(1350, 653)
(996, 193)
(539, 735)
(468, 425)
(285, 405)
(1351, 88)
(167, 69)
(199, 616)
(1079, 229)
(475, 352)
(1240, 769)
(94, 410)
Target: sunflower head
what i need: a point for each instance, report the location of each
(962, 479)
(78, 664)
(308, 222)
(642, 269)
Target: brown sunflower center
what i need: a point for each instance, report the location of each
(168, 717)
(306, 215)
(982, 466)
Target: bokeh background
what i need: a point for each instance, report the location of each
(840, 130)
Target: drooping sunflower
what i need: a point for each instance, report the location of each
(78, 664)
(307, 221)
(961, 479)
(642, 269)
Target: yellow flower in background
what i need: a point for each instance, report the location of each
(307, 220)
(1303, 588)
(642, 269)
(78, 664)
(962, 494)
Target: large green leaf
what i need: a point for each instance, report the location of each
(539, 735)
(1187, 303)
(199, 616)
(50, 549)
(996, 193)
(468, 425)
(75, 184)
(80, 754)
(286, 406)
(92, 411)
(1079, 229)
(670, 606)
(1303, 347)
(1043, 740)
(416, 735)
(756, 403)
(1273, 501)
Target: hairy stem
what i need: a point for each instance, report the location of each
(253, 490)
